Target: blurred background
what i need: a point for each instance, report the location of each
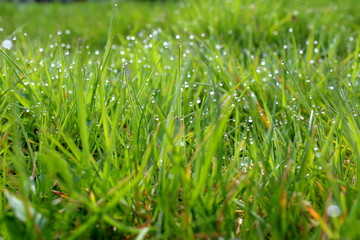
(43, 0)
(66, 1)
(221, 20)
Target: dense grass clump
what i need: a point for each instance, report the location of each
(180, 120)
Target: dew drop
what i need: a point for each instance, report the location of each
(7, 44)
(333, 211)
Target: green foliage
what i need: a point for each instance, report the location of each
(180, 120)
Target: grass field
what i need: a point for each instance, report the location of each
(221, 119)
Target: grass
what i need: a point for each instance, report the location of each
(180, 120)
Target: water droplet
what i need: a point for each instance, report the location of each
(7, 44)
(333, 211)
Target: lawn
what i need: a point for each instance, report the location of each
(198, 119)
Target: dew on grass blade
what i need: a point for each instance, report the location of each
(333, 211)
(7, 44)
